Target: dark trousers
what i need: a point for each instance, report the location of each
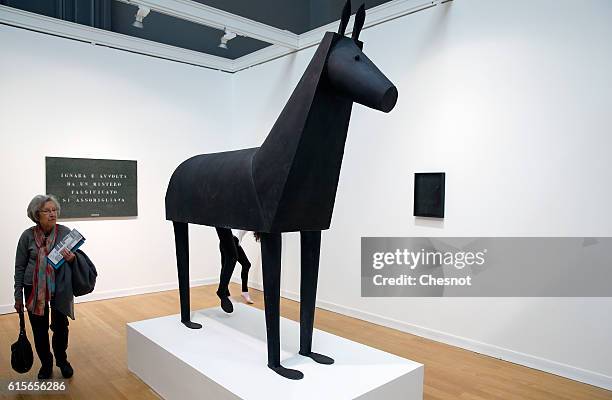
(245, 263)
(231, 252)
(40, 329)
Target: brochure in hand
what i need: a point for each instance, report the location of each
(71, 241)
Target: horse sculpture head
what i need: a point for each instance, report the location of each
(352, 73)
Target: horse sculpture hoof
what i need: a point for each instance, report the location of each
(319, 358)
(293, 374)
(226, 305)
(192, 325)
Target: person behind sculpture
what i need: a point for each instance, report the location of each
(35, 277)
(232, 252)
(245, 263)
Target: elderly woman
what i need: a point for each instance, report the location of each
(36, 278)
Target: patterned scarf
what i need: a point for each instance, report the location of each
(43, 286)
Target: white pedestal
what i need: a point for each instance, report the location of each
(226, 359)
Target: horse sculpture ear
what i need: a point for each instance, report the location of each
(359, 20)
(346, 14)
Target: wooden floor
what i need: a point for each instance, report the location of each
(97, 352)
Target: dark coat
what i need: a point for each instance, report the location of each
(63, 300)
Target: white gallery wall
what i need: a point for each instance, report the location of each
(509, 98)
(64, 98)
(512, 100)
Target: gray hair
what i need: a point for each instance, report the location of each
(37, 203)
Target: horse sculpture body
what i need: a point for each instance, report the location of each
(286, 185)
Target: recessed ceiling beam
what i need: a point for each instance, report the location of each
(41, 23)
(374, 16)
(222, 20)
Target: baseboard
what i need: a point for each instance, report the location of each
(111, 294)
(553, 367)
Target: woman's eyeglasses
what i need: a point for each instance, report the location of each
(52, 211)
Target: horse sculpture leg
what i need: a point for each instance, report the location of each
(181, 239)
(271, 268)
(310, 243)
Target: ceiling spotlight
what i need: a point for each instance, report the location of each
(140, 15)
(226, 38)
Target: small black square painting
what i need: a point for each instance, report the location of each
(429, 194)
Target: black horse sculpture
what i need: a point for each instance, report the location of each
(286, 185)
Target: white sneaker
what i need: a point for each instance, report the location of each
(247, 297)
